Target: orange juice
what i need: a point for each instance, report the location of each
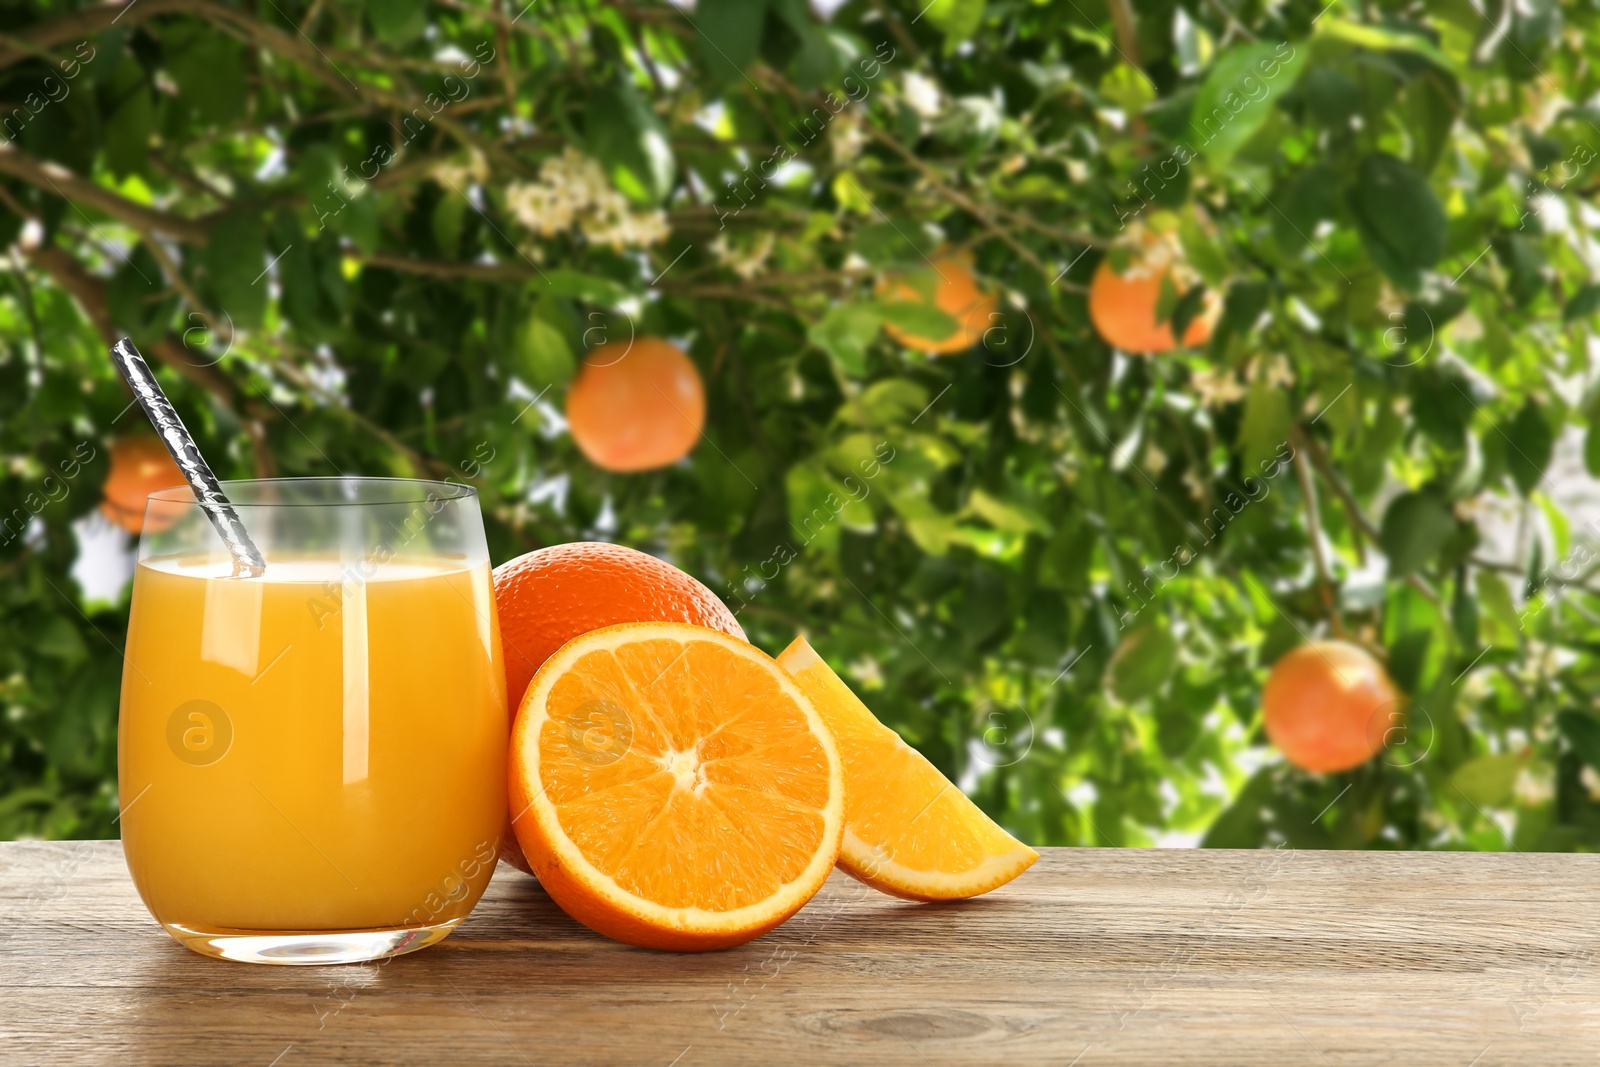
(321, 748)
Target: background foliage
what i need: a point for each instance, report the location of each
(375, 238)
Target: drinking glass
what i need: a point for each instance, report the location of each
(312, 761)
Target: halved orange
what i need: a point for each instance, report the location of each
(908, 830)
(674, 788)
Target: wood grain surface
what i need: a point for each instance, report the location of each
(1094, 957)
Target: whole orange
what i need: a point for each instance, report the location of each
(955, 292)
(1328, 705)
(547, 597)
(140, 465)
(1123, 305)
(636, 405)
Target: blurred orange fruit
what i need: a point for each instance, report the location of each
(908, 830)
(140, 464)
(547, 597)
(675, 789)
(1123, 305)
(636, 405)
(1327, 706)
(955, 292)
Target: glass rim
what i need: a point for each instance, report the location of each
(239, 492)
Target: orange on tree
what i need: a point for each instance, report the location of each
(547, 597)
(675, 789)
(636, 405)
(1123, 304)
(140, 464)
(908, 830)
(955, 292)
(1327, 706)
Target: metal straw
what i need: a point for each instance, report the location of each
(208, 493)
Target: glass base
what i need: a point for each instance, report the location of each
(310, 948)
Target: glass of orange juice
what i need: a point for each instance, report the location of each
(312, 760)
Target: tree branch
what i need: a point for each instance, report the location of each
(432, 268)
(965, 202)
(315, 61)
(1359, 523)
(1308, 493)
(1352, 507)
(80, 25)
(245, 27)
(90, 294)
(1127, 31)
(73, 189)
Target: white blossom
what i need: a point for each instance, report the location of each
(747, 261)
(1532, 790)
(923, 95)
(1278, 372)
(571, 191)
(1217, 387)
(1155, 460)
(457, 174)
(846, 138)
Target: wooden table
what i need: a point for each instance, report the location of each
(1094, 957)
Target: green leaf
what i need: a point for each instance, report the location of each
(1187, 308)
(448, 215)
(1143, 662)
(1331, 95)
(137, 298)
(127, 134)
(398, 22)
(1006, 515)
(1401, 222)
(1414, 529)
(1127, 87)
(893, 400)
(60, 639)
(1266, 424)
(1432, 103)
(1243, 824)
(339, 201)
(1582, 731)
(543, 356)
(1314, 196)
(236, 259)
(896, 241)
(1239, 93)
(956, 19)
(917, 319)
(1499, 615)
(817, 500)
(1385, 39)
(1524, 258)
(1488, 780)
(845, 332)
(1583, 303)
(1530, 442)
(1464, 614)
(210, 73)
(1204, 254)
(1408, 654)
(728, 33)
(1243, 305)
(630, 142)
(590, 288)
(819, 59)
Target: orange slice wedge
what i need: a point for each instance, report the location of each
(674, 788)
(908, 831)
